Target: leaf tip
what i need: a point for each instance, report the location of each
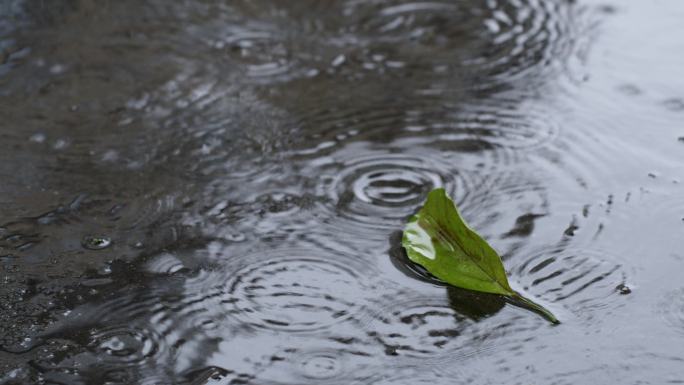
(437, 192)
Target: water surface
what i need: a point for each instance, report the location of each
(211, 192)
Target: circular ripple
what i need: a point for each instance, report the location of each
(447, 337)
(164, 263)
(507, 124)
(170, 302)
(123, 345)
(526, 39)
(672, 310)
(579, 279)
(420, 328)
(320, 365)
(388, 183)
(508, 40)
(444, 337)
(374, 194)
(493, 128)
(298, 290)
(266, 57)
(426, 24)
(380, 191)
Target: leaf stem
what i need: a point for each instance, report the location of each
(528, 303)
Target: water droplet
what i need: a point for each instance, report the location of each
(60, 144)
(96, 242)
(236, 237)
(338, 61)
(124, 345)
(110, 156)
(37, 138)
(623, 289)
(321, 366)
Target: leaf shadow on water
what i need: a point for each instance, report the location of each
(473, 305)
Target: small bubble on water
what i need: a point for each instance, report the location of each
(26, 342)
(60, 144)
(37, 138)
(623, 289)
(110, 156)
(320, 367)
(93, 242)
(236, 237)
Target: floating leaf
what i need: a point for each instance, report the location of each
(438, 238)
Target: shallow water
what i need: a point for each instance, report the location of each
(208, 192)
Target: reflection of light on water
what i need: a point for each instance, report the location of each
(420, 239)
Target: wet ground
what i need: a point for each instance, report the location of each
(211, 192)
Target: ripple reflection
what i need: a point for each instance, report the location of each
(298, 290)
(581, 279)
(125, 345)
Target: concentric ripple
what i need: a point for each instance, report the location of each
(576, 278)
(444, 335)
(266, 57)
(123, 345)
(373, 195)
(506, 123)
(379, 191)
(320, 365)
(526, 39)
(496, 42)
(388, 186)
(420, 328)
(298, 290)
(428, 23)
(93, 224)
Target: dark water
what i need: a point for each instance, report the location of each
(210, 192)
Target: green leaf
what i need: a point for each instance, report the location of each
(438, 238)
